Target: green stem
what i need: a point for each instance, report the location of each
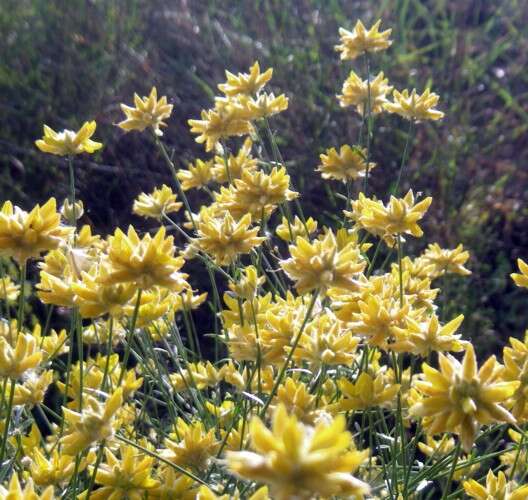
(130, 336)
(452, 471)
(405, 155)
(21, 297)
(7, 420)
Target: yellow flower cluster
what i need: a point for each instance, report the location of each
(320, 341)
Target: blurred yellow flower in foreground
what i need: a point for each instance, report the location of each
(148, 112)
(497, 487)
(14, 491)
(68, 142)
(300, 461)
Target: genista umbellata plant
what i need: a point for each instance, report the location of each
(330, 373)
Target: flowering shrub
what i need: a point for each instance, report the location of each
(332, 374)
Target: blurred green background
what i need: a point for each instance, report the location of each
(66, 61)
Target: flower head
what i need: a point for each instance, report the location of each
(288, 231)
(521, 279)
(414, 106)
(197, 175)
(148, 112)
(360, 40)
(225, 238)
(246, 83)
(357, 92)
(156, 204)
(16, 359)
(460, 398)
(68, 142)
(300, 461)
(348, 164)
(446, 261)
(25, 235)
(497, 487)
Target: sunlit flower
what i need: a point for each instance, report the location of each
(9, 291)
(459, 398)
(92, 425)
(147, 112)
(160, 202)
(126, 477)
(14, 491)
(257, 193)
(246, 83)
(497, 487)
(218, 124)
(146, 261)
(348, 164)
(300, 461)
(367, 392)
(360, 40)
(247, 286)
(521, 279)
(191, 445)
(225, 239)
(197, 175)
(447, 261)
(422, 338)
(33, 389)
(357, 92)
(22, 356)
(262, 106)
(236, 164)
(414, 106)
(25, 235)
(516, 369)
(195, 375)
(288, 231)
(320, 264)
(68, 142)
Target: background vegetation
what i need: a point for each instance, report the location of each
(66, 61)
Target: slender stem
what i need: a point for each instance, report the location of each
(108, 352)
(71, 170)
(22, 296)
(405, 155)
(452, 471)
(369, 121)
(130, 336)
(7, 420)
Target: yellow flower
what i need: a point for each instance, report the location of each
(399, 216)
(264, 105)
(95, 423)
(248, 285)
(72, 211)
(415, 106)
(25, 235)
(325, 340)
(497, 487)
(321, 264)
(32, 391)
(300, 461)
(16, 360)
(521, 279)
(147, 262)
(191, 445)
(148, 112)
(127, 477)
(8, 290)
(225, 239)
(174, 485)
(244, 83)
(446, 261)
(68, 142)
(516, 369)
(205, 493)
(57, 469)
(459, 398)
(367, 392)
(256, 193)
(289, 231)
(360, 40)
(355, 92)
(195, 375)
(217, 124)
(347, 165)
(422, 338)
(197, 176)
(14, 491)
(160, 202)
(236, 164)
(94, 298)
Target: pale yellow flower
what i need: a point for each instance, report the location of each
(414, 106)
(68, 142)
(349, 164)
(360, 40)
(246, 83)
(147, 112)
(357, 92)
(160, 202)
